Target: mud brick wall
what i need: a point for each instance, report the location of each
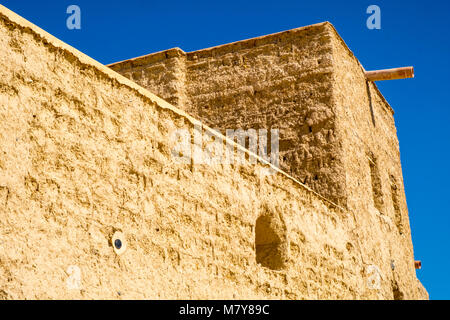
(374, 181)
(337, 132)
(161, 71)
(85, 153)
(280, 81)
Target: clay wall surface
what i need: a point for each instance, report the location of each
(280, 81)
(86, 153)
(374, 181)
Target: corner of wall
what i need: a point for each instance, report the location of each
(366, 128)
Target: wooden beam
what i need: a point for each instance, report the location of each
(390, 74)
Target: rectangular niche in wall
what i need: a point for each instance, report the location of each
(375, 178)
(270, 242)
(396, 204)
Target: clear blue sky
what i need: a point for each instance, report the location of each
(412, 33)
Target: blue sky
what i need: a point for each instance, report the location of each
(412, 33)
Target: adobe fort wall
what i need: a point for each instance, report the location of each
(86, 153)
(281, 81)
(337, 131)
(374, 180)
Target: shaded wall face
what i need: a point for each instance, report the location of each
(83, 155)
(278, 82)
(374, 181)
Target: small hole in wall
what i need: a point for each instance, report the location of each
(117, 243)
(270, 243)
(316, 177)
(310, 129)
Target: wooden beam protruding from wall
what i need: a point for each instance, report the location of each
(390, 74)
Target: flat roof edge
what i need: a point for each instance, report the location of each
(161, 54)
